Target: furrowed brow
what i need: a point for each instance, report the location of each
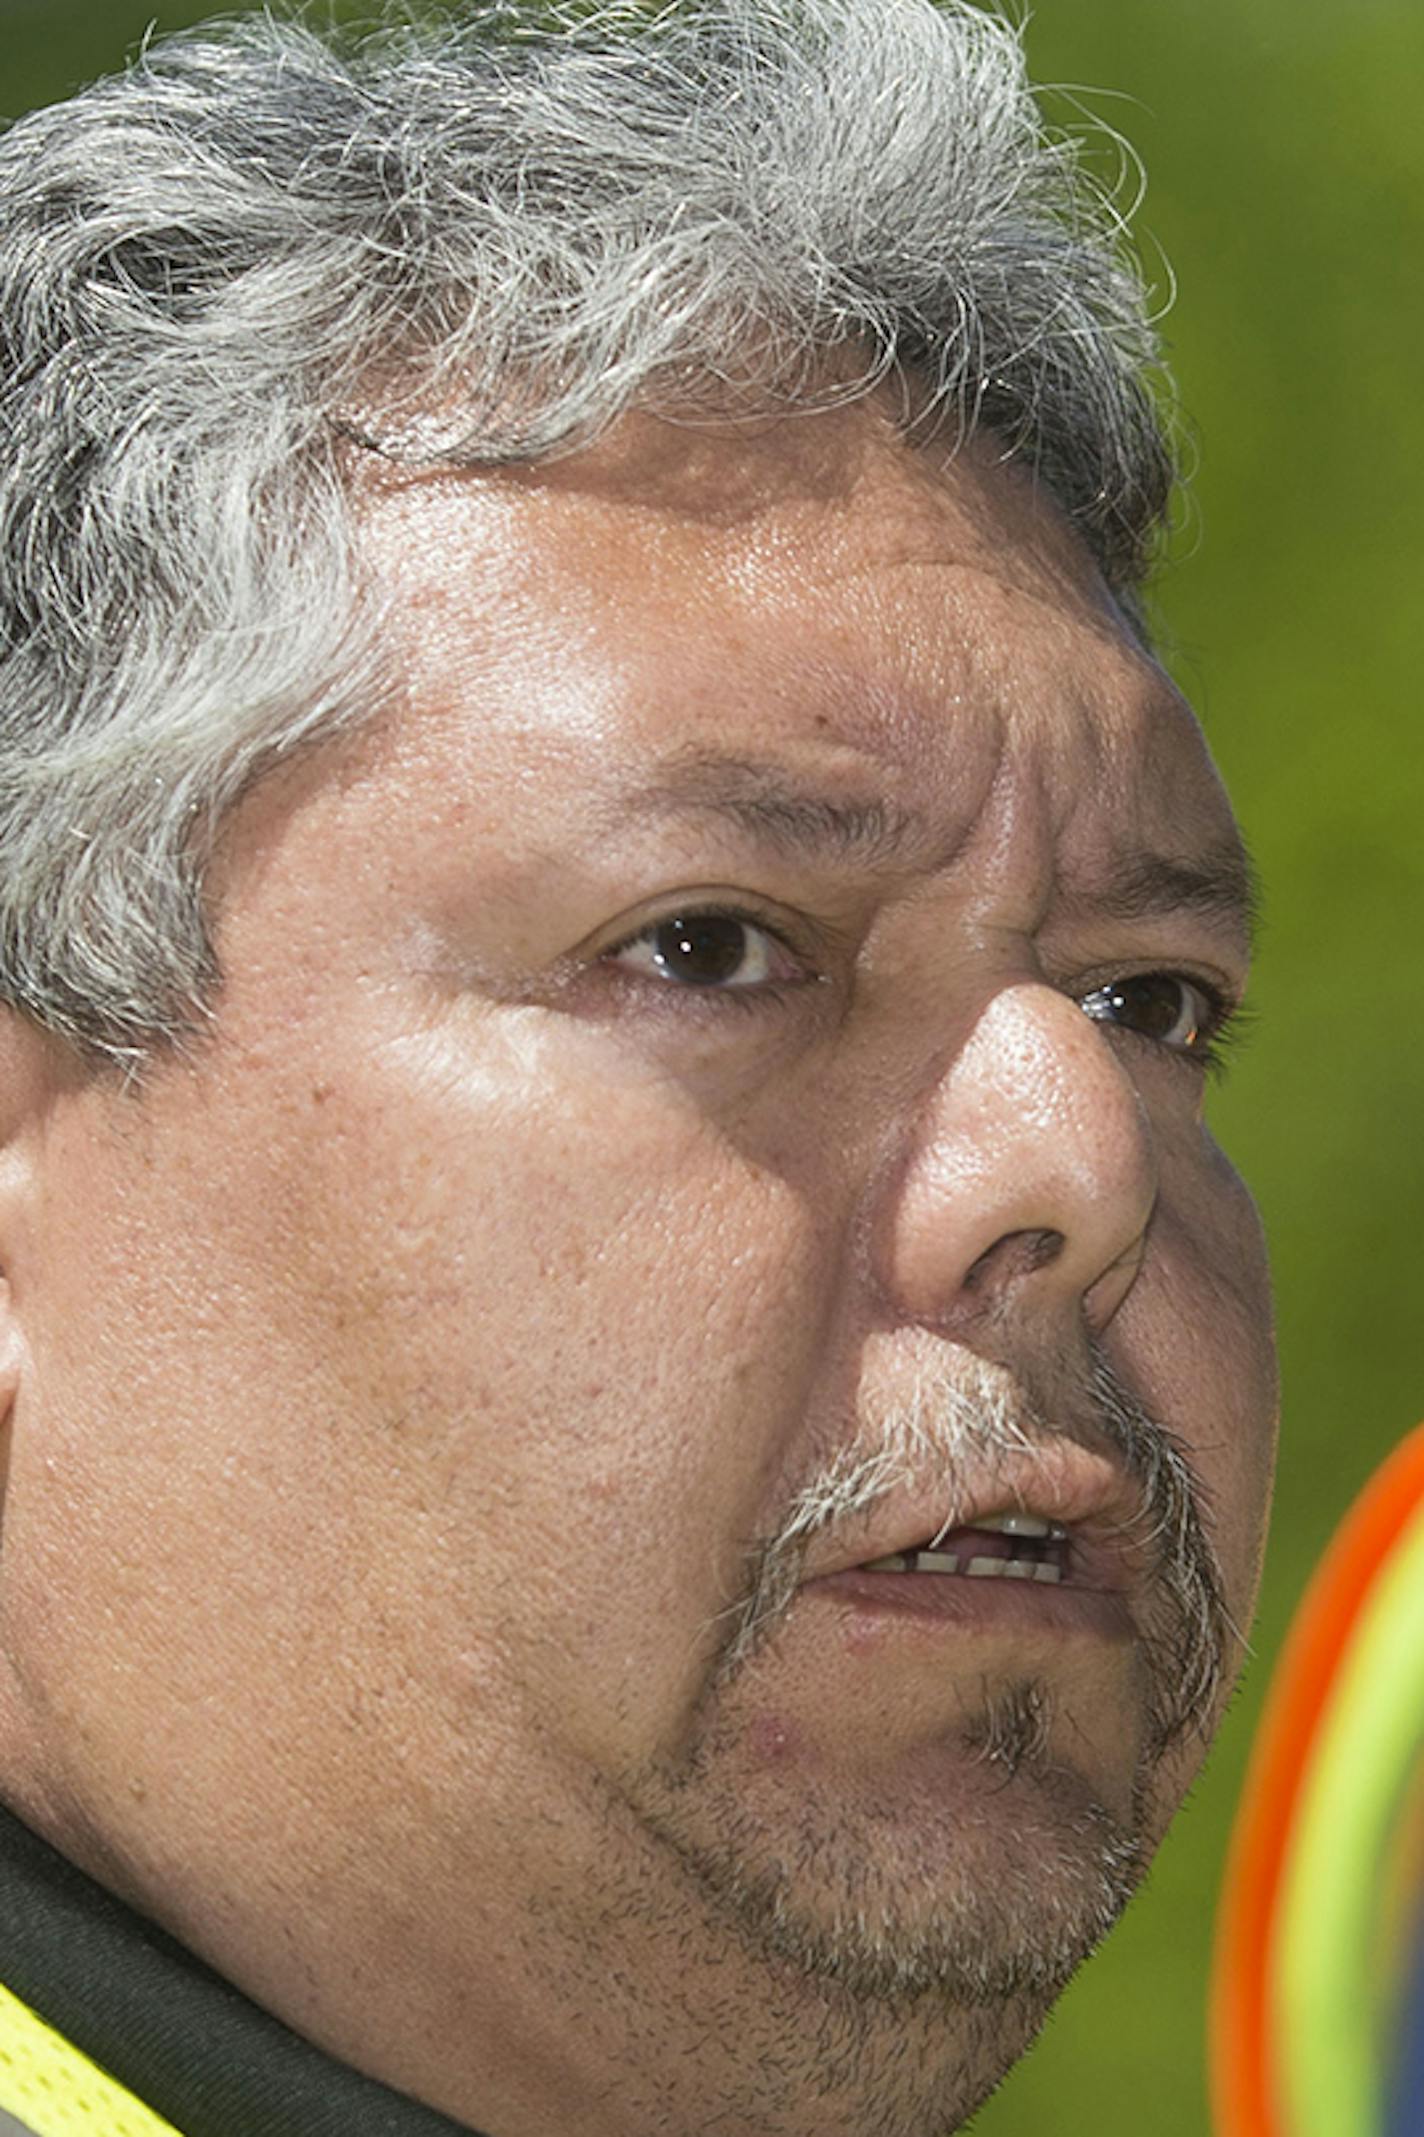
(770, 805)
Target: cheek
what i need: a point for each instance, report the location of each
(1200, 1349)
(588, 1323)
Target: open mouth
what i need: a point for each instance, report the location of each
(1013, 1546)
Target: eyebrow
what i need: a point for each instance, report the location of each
(1221, 884)
(769, 804)
(772, 806)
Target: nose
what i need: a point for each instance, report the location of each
(1028, 1176)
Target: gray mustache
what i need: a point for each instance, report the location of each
(974, 1414)
(1187, 1629)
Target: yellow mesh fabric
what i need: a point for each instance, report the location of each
(57, 2092)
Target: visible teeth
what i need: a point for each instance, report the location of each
(914, 1562)
(973, 1568)
(1020, 1525)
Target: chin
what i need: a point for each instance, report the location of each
(978, 1873)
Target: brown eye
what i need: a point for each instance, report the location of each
(1160, 1006)
(708, 949)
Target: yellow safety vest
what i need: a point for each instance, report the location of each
(52, 2090)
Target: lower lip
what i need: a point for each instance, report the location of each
(935, 1600)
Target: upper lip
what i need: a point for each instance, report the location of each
(1085, 1492)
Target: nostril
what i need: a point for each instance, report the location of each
(1014, 1255)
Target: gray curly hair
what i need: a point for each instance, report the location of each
(473, 241)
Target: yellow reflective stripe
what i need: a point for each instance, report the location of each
(56, 2091)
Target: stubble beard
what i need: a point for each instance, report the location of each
(992, 1898)
(932, 1937)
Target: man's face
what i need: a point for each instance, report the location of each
(706, 1095)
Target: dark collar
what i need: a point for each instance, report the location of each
(179, 2037)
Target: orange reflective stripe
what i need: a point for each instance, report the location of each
(55, 2091)
(1245, 2080)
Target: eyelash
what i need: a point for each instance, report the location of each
(1228, 1027)
(1223, 1024)
(752, 995)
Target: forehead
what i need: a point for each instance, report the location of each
(803, 605)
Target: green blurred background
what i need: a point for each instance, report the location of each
(1285, 162)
